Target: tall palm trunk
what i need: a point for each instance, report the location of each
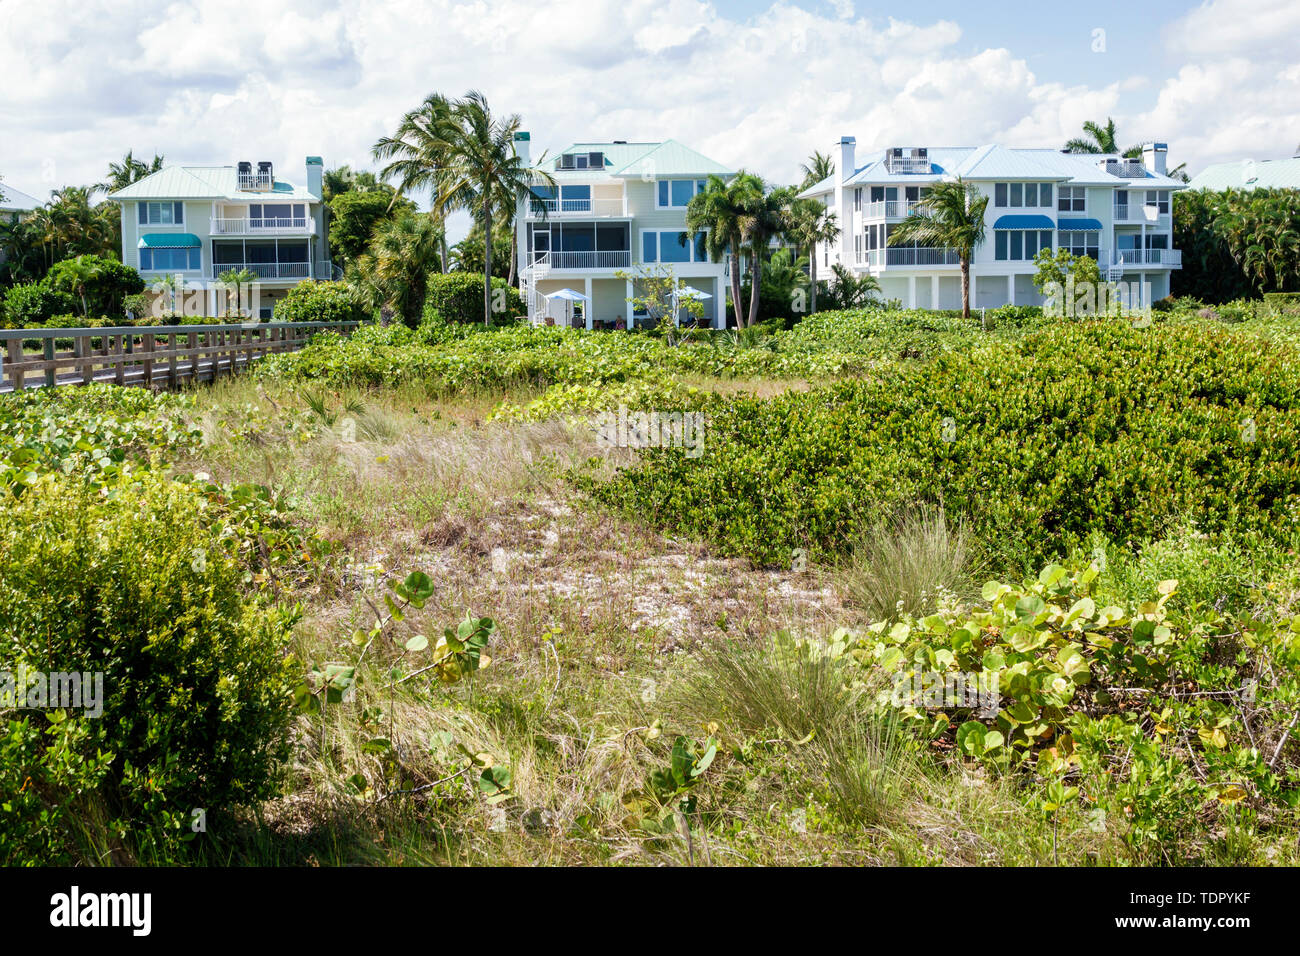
(735, 288)
(965, 286)
(757, 271)
(514, 258)
(487, 258)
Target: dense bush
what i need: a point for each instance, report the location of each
(321, 302)
(1083, 428)
(458, 297)
(1236, 243)
(32, 304)
(108, 286)
(138, 585)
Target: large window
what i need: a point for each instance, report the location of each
(277, 215)
(163, 259)
(1082, 243)
(667, 245)
(1017, 245)
(1073, 199)
(1022, 194)
(161, 213)
(1160, 199)
(677, 193)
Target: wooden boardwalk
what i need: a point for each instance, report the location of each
(157, 356)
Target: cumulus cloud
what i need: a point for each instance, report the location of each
(204, 81)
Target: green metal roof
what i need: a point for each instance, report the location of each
(658, 160)
(204, 182)
(169, 240)
(1249, 174)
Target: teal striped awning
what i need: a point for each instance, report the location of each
(1078, 225)
(1024, 222)
(169, 240)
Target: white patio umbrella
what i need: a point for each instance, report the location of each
(687, 292)
(568, 295)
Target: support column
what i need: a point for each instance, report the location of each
(1141, 297)
(934, 291)
(631, 322)
(1011, 289)
(586, 306)
(719, 304)
(911, 292)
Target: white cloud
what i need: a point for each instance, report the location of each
(206, 81)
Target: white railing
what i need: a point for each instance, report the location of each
(889, 209)
(256, 182)
(582, 260)
(576, 207)
(907, 164)
(1149, 257)
(1124, 168)
(268, 270)
(264, 226)
(1139, 212)
(908, 256)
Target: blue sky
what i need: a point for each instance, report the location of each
(751, 83)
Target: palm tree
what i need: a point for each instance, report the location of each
(394, 271)
(77, 274)
(236, 279)
(852, 291)
(416, 157)
(481, 169)
(952, 215)
(765, 213)
(812, 222)
(818, 167)
(716, 211)
(1101, 139)
(129, 170)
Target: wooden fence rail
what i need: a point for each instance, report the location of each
(156, 356)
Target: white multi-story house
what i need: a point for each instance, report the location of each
(1116, 210)
(615, 208)
(199, 222)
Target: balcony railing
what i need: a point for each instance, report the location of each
(289, 225)
(907, 164)
(269, 270)
(908, 256)
(256, 182)
(618, 259)
(889, 209)
(1149, 257)
(576, 207)
(1124, 168)
(1137, 212)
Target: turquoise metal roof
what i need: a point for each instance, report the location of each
(1024, 222)
(1077, 225)
(169, 240)
(205, 182)
(11, 198)
(1249, 174)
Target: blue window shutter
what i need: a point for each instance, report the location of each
(178, 213)
(649, 247)
(663, 192)
(146, 257)
(142, 209)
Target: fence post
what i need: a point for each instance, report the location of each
(50, 379)
(146, 343)
(16, 357)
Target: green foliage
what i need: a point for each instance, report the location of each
(1154, 717)
(134, 582)
(458, 297)
(104, 282)
(31, 304)
(354, 214)
(322, 301)
(1081, 428)
(1063, 266)
(1236, 243)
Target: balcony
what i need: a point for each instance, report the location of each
(280, 270)
(906, 256)
(564, 208)
(247, 226)
(1138, 213)
(256, 182)
(889, 209)
(1170, 258)
(1123, 168)
(580, 261)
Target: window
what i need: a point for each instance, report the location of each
(277, 215)
(677, 193)
(1045, 195)
(1019, 245)
(666, 245)
(857, 199)
(1160, 199)
(164, 259)
(1072, 199)
(1000, 194)
(1017, 197)
(1082, 243)
(161, 213)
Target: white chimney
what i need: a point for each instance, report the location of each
(523, 147)
(847, 165)
(1153, 157)
(315, 174)
(843, 207)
